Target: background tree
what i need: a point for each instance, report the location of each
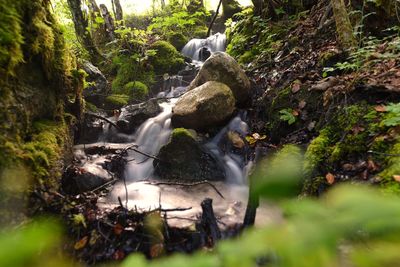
(117, 9)
(108, 21)
(343, 24)
(229, 8)
(81, 25)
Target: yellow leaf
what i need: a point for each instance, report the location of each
(81, 243)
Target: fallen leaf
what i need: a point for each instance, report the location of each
(357, 129)
(330, 178)
(119, 255)
(396, 177)
(302, 104)
(348, 167)
(81, 243)
(156, 250)
(118, 229)
(295, 113)
(380, 108)
(296, 86)
(94, 236)
(372, 166)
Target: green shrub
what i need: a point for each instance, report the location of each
(136, 90)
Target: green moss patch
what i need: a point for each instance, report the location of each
(167, 59)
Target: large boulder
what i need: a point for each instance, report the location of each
(223, 68)
(183, 159)
(208, 105)
(132, 116)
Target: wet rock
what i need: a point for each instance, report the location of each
(133, 116)
(204, 54)
(90, 131)
(208, 105)
(90, 176)
(95, 76)
(223, 68)
(183, 159)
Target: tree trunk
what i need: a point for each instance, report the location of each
(229, 8)
(108, 21)
(81, 25)
(258, 7)
(343, 24)
(117, 10)
(98, 32)
(214, 18)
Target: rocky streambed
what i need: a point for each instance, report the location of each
(174, 151)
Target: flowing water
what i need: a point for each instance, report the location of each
(214, 43)
(155, 132)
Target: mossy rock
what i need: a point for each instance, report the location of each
(116, 101)
(178, 40)
(167, 59)
(128, 70)
(183, 159)
(137, 91)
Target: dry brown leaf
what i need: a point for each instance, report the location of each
(118, 255)
(296, 86)
(302, 104)
(380, 108)
(396, 178)
(118, 229)
(81, 243)
(156, 250)
(372, 166)
(330, 178)
(295, 113)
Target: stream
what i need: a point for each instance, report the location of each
(139, 189)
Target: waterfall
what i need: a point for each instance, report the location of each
(213, 43)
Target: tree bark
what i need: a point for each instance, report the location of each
(81, 25)
(99, 33)
(118, 13)
(343, 24)
(108, 21)
(258, 7)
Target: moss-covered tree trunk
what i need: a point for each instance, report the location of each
(81, 29)
(343, 24)
(98, 30)
(108, 21)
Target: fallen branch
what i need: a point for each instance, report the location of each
(104, 119)
(132, 147)
(187, 184)
(103, 185)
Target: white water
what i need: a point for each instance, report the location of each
(214, 43)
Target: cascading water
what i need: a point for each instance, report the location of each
(214, 43)
(155, 132)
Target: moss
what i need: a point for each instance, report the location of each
(318, 150)
(128, 69)
(181, 133)
(136, 90)
(178, 40)
(391, 168)
(11, 38)
(115, 101)
(90, 107)
(167, 59)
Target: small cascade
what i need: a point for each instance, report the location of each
(234, 164)
(149, 138)
(213, 43)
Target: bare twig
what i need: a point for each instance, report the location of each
(188, 184)
(103, 185)
(104, 119)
